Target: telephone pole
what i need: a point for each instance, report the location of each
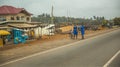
(52, 17)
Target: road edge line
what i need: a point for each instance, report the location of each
(110, 61)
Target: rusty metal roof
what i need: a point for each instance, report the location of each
(22, 25)
(11, 10)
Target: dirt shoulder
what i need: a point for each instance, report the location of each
(17, 51)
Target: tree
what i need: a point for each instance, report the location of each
(94, 17)
(116, 21)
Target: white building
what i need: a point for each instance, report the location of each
(44, 30)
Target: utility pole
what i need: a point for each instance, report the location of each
(52, 21)
(52, 18)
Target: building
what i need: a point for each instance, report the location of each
(27, 28)
(18, 18)
(43, 29)
(13, 14)
(48, 29)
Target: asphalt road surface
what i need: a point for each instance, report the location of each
(92, 52)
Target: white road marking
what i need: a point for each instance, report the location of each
(110, 61)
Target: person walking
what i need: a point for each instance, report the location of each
(75, 32)
(82, 29)
(71, 34)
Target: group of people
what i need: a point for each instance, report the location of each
(76, 29)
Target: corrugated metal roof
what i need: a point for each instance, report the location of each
(22, 25)
(11, 10)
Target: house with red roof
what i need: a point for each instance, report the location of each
(13, 14)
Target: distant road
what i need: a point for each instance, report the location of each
(92, 52)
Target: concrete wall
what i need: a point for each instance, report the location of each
(22, 17)
(44, 31)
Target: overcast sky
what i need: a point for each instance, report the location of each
(73, 8)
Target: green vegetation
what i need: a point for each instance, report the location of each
(95, 20)
(116, 21)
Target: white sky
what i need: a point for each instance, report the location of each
(74, 8)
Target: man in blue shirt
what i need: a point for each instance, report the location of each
(75, 31)
(82, 29)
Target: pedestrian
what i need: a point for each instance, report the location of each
(4, 40)
(71, 34)
(75, 32)
(82, 29)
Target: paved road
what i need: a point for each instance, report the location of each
(115, 62)
(92, 52)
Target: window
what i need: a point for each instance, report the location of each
(28, 19)
(18, 18)
(22, 17)
(2, 18)
(12, 18)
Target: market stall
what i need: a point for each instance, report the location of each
(3, 37)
